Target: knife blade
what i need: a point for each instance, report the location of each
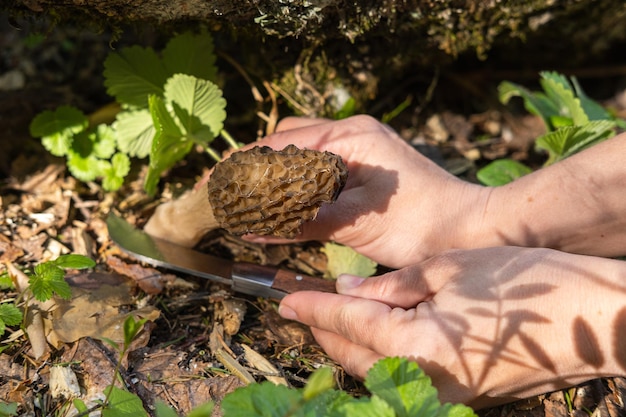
(247, 278)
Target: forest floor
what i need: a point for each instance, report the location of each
(179, 355)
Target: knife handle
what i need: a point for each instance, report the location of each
(288, 282)
(267, 281)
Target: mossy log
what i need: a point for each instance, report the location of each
(365, 44)
(448, 25)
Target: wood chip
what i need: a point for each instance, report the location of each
(258, 362)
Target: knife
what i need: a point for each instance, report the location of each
(247, 278)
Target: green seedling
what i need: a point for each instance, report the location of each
(166, 104)
(573, 122)
(47, 279)
(119, 402)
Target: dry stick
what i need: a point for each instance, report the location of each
(290, 99)
(258, 97)
(273, 116)
(234, 367)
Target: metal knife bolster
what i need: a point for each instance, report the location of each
(271, 282)
(255, 279)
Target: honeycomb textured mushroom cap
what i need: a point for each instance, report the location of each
(269, 192)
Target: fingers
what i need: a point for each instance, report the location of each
(289, 123)
(334, 136)
(358, 320)
(405, 287)
(355, 359)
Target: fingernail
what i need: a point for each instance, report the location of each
(347, 282)
(287, 312)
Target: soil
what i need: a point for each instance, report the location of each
(193, 348)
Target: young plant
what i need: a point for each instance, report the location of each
(573, 121)
(90, 150)
(398, 387)
(167, 103)
(47, 279)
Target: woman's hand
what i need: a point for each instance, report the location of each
(397, 207)
(487, 325)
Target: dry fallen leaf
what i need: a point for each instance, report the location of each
(150, 280)
(97, 313)
(63, 383)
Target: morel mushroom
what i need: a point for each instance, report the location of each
(270, 192)
(258, 191)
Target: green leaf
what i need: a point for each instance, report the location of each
(348, 109)
(49, 279)
(122, 404)
(110, 342)
(199, 106)
(82, 145)
(133, 74)
(191, 54)
(260, 400)
(502, 171)
(113, 175)
(80, 406)
(8, 409)
(536, 103)
(6, 282)
(168, 146)
(327, 404)
(74, 261)
(404, 386)
(345, 260)
(84, 168)
(57, 128)
(131, 328)
(592, 109)
(319, 382)
(567, 141)
(559, 90)
(104, 141)
(367, 407)
(457, 410)
(134, 132)
(9, 316)
(203, 410)
(161, 409)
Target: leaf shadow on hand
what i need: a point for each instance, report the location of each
(505, 309)
(573, 238)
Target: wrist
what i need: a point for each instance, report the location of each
(475, 218)
(519, 214)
